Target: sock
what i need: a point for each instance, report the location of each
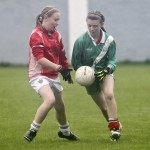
(113, 123)
(35, 126)
(65, 129)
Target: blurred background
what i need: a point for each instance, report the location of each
(126, 20)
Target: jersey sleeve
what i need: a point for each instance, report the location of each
(37, 46)
(112, 56)
(76, 59)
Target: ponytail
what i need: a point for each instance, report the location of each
(39, 20)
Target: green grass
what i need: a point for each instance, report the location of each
(18, 104)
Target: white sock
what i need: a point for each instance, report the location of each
(65, 129)
(35, 126)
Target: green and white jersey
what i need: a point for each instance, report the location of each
(87, 53)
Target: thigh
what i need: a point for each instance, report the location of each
(108, 84)
(99, 99)
(38, 82)
(46, 93)
(42, 86)
(56, 85)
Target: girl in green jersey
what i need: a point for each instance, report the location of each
(96, 48)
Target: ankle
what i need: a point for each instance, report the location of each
(113, 123)
(65, 129)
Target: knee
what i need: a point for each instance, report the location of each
(109, 96)
(49, 102)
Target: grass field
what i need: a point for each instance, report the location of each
(18, 103)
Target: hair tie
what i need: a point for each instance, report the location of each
(40, 18)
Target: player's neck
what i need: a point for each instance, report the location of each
(98, 38)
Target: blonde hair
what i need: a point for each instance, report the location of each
(47, 11)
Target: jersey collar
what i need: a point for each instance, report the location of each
(103, 37)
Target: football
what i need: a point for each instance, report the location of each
(84, 76)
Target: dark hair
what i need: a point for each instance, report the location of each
(96, 15)
(47, 11)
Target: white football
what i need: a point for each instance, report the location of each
(84, 76)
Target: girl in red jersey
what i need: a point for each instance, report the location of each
(47, 57)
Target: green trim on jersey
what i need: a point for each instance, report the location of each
(85, 52)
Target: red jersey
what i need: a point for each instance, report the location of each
(47, 45)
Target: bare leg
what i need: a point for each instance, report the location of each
(60, 109)
(113, 124)
(48, 102)
(108, 87)
(99, 99)
(64, 128)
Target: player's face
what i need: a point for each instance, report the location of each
(50, 23)
(94, 27)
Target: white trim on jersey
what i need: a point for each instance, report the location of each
(104, 50)
(102, 40)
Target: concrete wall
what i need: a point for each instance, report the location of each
(127, 20)
(17, 22)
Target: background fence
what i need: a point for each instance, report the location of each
(127, 20)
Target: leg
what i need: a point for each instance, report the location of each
(114, 124)
(108, 89)
(48, 102)
(99, 99)
(64, 128)
(60, 109)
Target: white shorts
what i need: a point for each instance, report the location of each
(40, 81)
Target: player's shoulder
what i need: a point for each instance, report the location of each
(108, 36)
(36, 32)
